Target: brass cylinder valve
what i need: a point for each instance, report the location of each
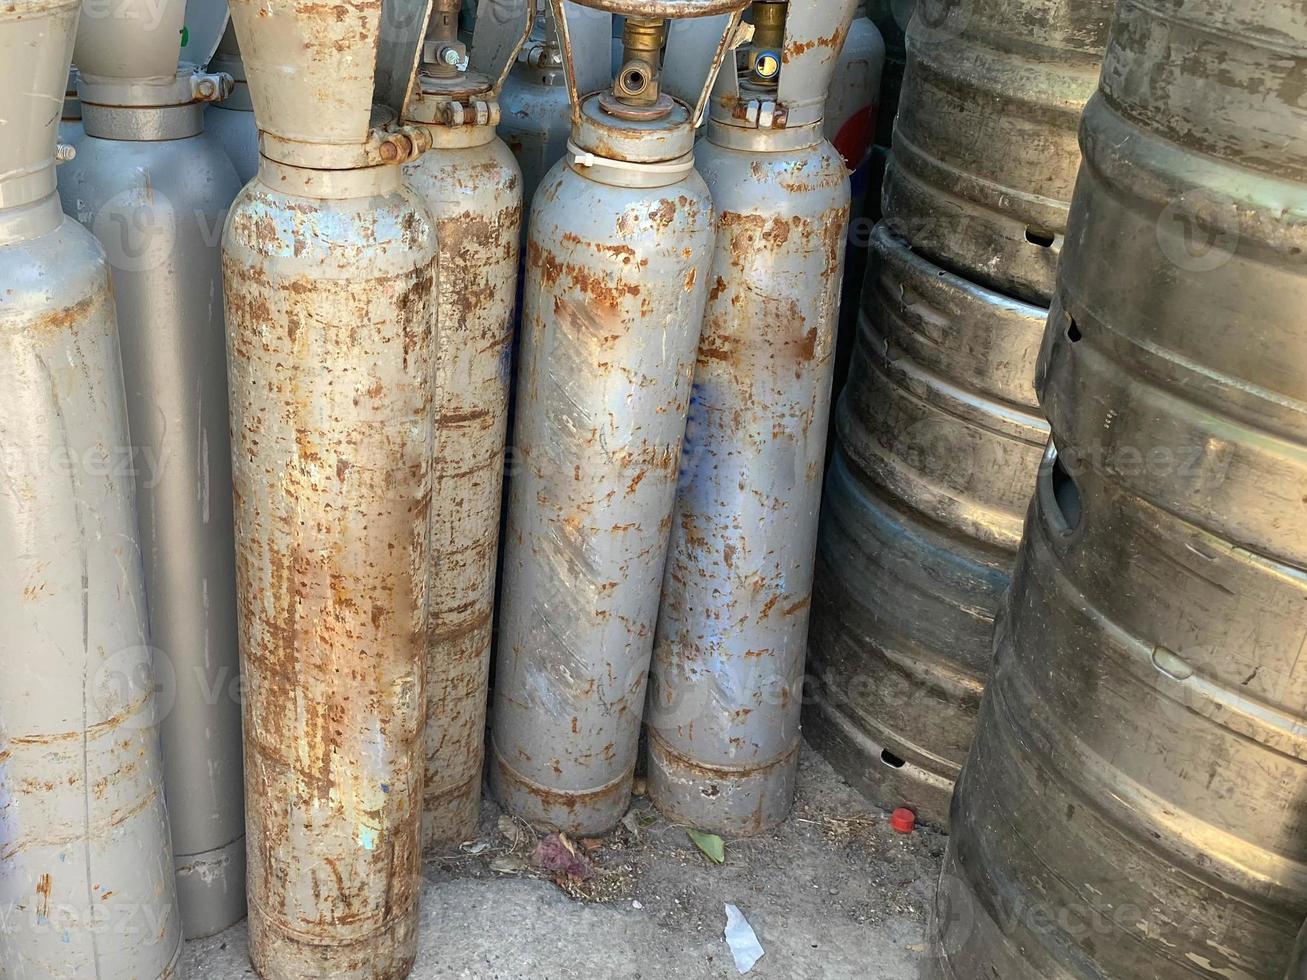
(443, 54)
(768, 42)
(637, 80)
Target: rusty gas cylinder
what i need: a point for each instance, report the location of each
(473, 188)
(616, 281)
(732, 634)
(329, 269)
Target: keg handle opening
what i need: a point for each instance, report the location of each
(1060, 494)
(1040, 236)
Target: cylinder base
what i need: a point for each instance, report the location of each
(588, 813)
(387, 954)
(725, 801)
(211, 889)
(450, 817)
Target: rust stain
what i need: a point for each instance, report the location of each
(834, 42)
(664, 214)
(807, 345)
(43, 887)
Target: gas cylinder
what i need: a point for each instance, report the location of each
(535, 118)
(732, 632)
(473, 188)
(155, 191)
(230, 122)
(1134, 802)
(329, 271)
(86, 878)
(985, 151)
(617, 266)
(70, 123)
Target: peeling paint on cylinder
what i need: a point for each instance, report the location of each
(330, 355)
(615, 291)
(475, 195)
(727, 678)
(732, 630)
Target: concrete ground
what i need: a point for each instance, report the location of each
(835, 893)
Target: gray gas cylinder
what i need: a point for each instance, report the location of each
(230, 122)
(155, 191)
(535, 117)
(473, 187)
(617, 264)
(727, 676)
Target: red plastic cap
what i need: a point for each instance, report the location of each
(903, 820)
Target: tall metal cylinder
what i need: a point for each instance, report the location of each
(155, 191)
(86, 882)
(727, 677)
(231, 122)
(1135, 799)
(939, 439)
(985, 151)
(473, 188)
(617, 276)
(328, 265)
(535, 118)
(854, 99)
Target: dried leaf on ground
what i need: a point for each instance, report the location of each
(512, 831)
(632, 823)
(509, 864)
